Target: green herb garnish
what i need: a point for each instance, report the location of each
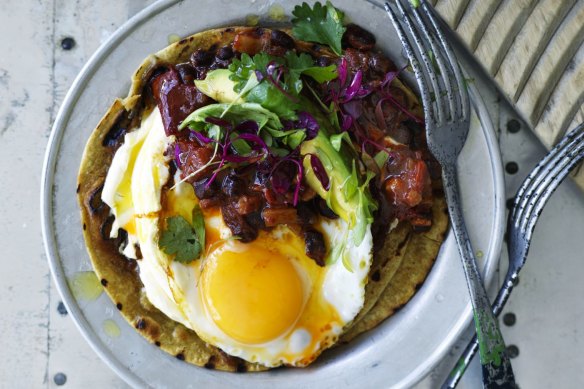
(321, 24)
(274, 82)
(182, 239)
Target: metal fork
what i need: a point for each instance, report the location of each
(529, 202)
(447, 117)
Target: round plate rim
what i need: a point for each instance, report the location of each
(46, 201)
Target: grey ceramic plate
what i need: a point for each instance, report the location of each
(396, 354)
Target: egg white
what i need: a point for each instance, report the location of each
(138, 172)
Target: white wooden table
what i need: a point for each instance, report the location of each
(40, 346)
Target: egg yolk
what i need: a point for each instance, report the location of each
(254, 295)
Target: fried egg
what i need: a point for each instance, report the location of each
(265, 301)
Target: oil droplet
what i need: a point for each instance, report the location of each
(277, 13)
(173, 38)
(252, 20)
(479, 254)
(85, 286)
(111, 329)
(439, 297)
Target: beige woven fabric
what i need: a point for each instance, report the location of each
(534, 49)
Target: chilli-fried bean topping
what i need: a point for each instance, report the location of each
(257, 186)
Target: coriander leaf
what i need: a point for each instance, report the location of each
(262, 91)
(179, 238)
(298, 62)
(304, 64)
(199, 224)
(321, 24)
(322, 74)
(272, 99)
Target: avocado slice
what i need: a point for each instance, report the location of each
(219, 87)
(348, 195)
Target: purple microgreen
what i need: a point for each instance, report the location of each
(342, 70)
(346, 121)
(247, 126)
(353, 89)
(177, 153)
(354, 108)
(257, 140)
(401, 108)
(291, 158)
(200, 137)
(298, 181)
(379, 116)
(389, 77)
(308, 122)
(259, 75)
(272, 67)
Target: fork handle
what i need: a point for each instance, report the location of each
(497, 371)
(473, 346)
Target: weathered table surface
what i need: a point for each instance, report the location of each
(532, 48)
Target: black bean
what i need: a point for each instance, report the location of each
(306, 212)
(225, 53)
(232, 185)
(379, 63)
(203, 191)
(315, 247)
(238, 224)
(187, 73)
(358, 38)
(324, 209)
(201, 58)
(262, 173)
(255, 220)
(280, 38)
(323, 61)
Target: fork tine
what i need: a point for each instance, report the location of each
(429, 33)
(423, 53)
(427, 102)
(553, 162)
(544, 162)
(452, 59)
(551, 182)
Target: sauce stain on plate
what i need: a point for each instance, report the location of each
(85, 286)
(111, 328)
